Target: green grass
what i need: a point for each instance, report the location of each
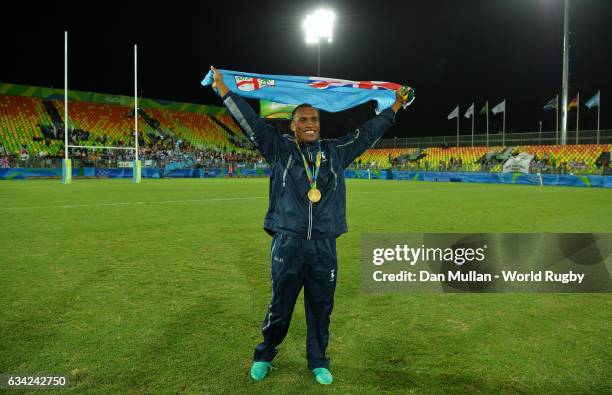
(162, 287)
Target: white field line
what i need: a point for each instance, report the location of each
(191, 200)
(132, 203)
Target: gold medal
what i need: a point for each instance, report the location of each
(314, 195)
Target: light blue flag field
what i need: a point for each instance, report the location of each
(328, 94)
(593, 101)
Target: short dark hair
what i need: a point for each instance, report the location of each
(303, 105)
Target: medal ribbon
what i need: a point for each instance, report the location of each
(311, 179)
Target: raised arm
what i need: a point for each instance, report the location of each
(265, 137)
(354, 144)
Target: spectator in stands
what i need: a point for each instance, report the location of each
(25, 156)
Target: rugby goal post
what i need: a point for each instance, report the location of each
(67, 162)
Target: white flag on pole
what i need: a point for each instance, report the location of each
(454, 114)
(470, 111)
(501, 107)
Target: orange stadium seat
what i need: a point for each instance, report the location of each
(19, 120)
(21, 117)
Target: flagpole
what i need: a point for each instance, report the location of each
(473, 108)
(504, 126)
(598, 109)
(136, 101)
(66, 95)
(458, 112)
(540, 132)
(319, 58)
(577, 115)
(565, 76)
(487, 104)
(557, 127)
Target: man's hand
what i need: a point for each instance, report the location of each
(401, 94)
(218, 84)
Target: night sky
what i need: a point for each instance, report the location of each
(451, 52)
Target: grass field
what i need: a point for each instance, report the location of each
(162, 287)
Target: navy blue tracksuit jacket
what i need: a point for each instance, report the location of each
(303, 250)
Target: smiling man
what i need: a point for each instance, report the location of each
(307, 212)
(305, 123)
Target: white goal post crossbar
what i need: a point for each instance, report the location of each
(101, 147)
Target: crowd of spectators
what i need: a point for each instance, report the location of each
(543, 165)
(163, 151)
(160, 152)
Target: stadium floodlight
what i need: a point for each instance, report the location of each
(319, 26)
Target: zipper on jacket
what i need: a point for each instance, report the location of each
(287, 169)
(309, 221)
(309, 236)
(331, 166)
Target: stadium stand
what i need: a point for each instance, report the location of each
(20, 120)
(580, 158)
(36, 123)
(99, 120)
(467, 158)
(26, 120)
(383, 157)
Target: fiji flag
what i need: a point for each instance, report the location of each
(327, 94)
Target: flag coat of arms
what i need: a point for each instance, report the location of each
(248, 84)
(328, 94)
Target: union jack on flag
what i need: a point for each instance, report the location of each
(330, 83)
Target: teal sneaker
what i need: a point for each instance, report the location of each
(260, 370)
(323, 376)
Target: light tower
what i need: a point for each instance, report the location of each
(319, 26)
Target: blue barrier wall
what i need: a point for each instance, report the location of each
(491, 178)
(147, 172)
(494, 178)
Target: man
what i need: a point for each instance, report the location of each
(307, 212)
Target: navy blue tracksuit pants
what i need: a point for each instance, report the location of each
(297, 263)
